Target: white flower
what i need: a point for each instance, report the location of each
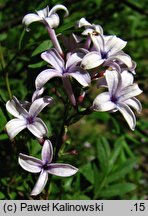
(27, 119)
(64, 70)
(89, 28)
(48, 17)
(45, 167)
(120, 96)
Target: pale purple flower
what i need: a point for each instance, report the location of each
(27, 119)
(64, 70)
(89, 28)
(48, 17)
(45, 167)
(120, 96)
(107, 49)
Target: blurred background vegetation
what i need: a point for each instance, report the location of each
(112, 160)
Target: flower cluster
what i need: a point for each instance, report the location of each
(91, 57)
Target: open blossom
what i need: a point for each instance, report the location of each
(48, 17)
(89, 28)
(120, 96)
(64, 70)
(45, 167)
(108, 49)
(27, 119)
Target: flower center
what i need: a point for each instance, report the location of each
(114, 99)
(104, 55)
(45, 167)
(30, 120)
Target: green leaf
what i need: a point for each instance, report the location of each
(2, 196)
(117, 149)
(79, 196)
(3, 136)
(122, 170)
(117, 190)
(87, 172)
(98, 178)
(103, 153)
(37, 65)
(45, 45)
(3, 121)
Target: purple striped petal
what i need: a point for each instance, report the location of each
(40, 184)
(15, 108)
(29, 163)
(63, 170)
(103, 102)
(38, 128)
(129, 92)
(113, 79)
(75, 58)
(54, 59)
(45, 76)
(47, 152)
(127, 79)
(134, 103)
(91, 60)
(124, 58)
(37, 94)
(81, 76)
(39, 104)
(127, 114)
(113, 44)
(14, 126)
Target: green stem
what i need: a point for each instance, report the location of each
(8, 85)
(6, 74)
(59, 140)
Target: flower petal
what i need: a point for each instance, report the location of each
(52, 21)
(47, 152)
(58, 7)
(134, 103)
(68, 89)
(75, 58)
(14, 126)
(45, 76)
(37, 94)
(81, 76)
(113, 79)
(30, 164)
(40, 184)
(129, 92)
(38, 128)
(29, 18)
(127, 114)
(39, 104)
(127, 78)
(43, 13)
(54, 59)
(124, 58)
(103, 102)
(91, 60)
(15, 108)
(113, 44)
(83, 22)
(63, 170)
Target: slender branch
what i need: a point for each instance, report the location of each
(135, 7)
(59, 140)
